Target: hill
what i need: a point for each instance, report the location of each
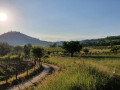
(17, 38)
(115, 40)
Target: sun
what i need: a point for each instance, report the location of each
(3, 17)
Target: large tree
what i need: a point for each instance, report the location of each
(72, 47)
(4, 49)
(37, 52)
(27, 49)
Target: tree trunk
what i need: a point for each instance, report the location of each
(116, 51)
(16, 72)
(72, 54)
(34, 64)
(39, 62)
(27, 71)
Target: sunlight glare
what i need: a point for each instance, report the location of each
(3, 17)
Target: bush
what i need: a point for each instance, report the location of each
(15, 57)
(86, 51)
(5, 58)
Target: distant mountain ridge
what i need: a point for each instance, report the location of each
(17, 38)
(99, 39)
(102, 41)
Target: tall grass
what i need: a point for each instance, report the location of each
(78, 77)
(77, 74)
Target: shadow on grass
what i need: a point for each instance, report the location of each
(76, 88)
(113, 84)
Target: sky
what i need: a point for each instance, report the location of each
(59, 20)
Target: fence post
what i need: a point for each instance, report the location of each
(16, 71)
(6, 74)
(27, 69)
(34, 63)
(39, 62)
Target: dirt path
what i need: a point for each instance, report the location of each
(36, 78)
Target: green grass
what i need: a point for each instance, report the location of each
(80, 74)
(2, 77)
(114, 65)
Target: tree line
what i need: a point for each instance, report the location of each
(101, 42)
(28, 51)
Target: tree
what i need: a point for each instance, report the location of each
(29, 45)
(72, 47)
(27, 49)
(115, 49)
(86, 51)
(18, 49)
(4, 49)
(37, 52)
(54, 45)
(111, 44)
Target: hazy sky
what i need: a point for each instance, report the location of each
(55, 20)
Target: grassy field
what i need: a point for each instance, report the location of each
(81, 73)
(97, 70)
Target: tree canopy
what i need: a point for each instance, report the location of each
(115, 49)
(37, 52)
(4, 49)
(86, 51)
(27, 49)
(72, 47)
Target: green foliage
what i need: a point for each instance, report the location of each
(5, 57)
(37, 52)
(48, 52)
(86, 51)
(54, 45)
(27, 50)
(18, 49)
(55, 49)
(108, 41)
(15, 57)
(29, 45)
(115, 49)
(22, 56)
(4, 49)
(72, 47)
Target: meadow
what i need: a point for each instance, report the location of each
(99, 69)
(82, 73)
